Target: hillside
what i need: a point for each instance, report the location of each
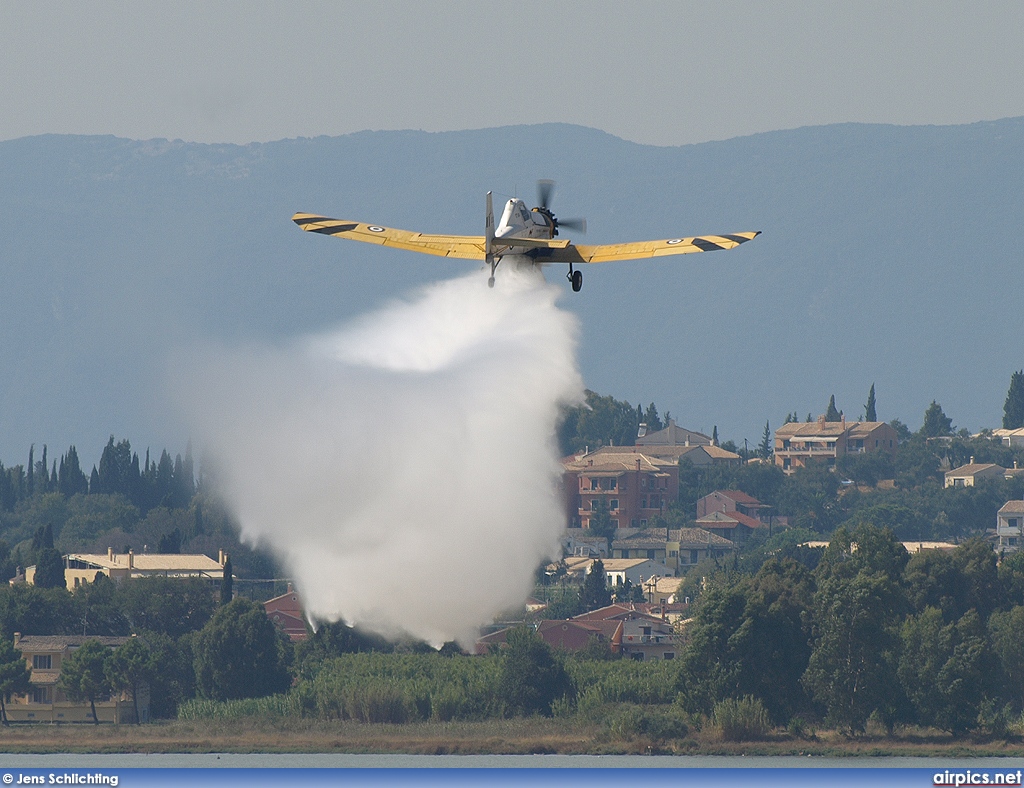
(887, 256)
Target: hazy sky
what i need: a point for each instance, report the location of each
(654, 72)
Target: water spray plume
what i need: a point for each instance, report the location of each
(403, 468)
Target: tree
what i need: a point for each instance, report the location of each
(851, 671)
(1013, 408)
(869, 408)
(170, 606)
(169, 543)
(97, 608)
(936, 423)
(903, 432)
(14, 675)
(1004, 633)
(750, 638)
(832, 414)
(36, 611)
(130, 668)
(50, 569)
(173, 679)
(117, 474)
(531, 676)
(70, 478)
(764, 451)
(946, 668)
(595, 594)
(241, 654)
(601, 523)
(602, 421)
(83, 675)
(652, 419)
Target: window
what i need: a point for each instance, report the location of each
(650, 553)
(613, 504)
(669, 655)
(611, 484)
(594, 485)
(643, 502)
(593, 505)
(40, 695)
(42, 661)
(693, 556)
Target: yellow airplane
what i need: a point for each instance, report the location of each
(529, 236)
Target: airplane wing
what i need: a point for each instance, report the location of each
(641, 249)
(469, 247)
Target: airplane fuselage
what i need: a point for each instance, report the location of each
(518, 221)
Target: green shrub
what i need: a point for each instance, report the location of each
(271, 707)
(379, 702)
(655, 723)
(745, 719)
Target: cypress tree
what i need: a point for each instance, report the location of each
(765, 449)
(50, 569)
(594, 593)
(832, 414)
(1013, 409)
(869, 408)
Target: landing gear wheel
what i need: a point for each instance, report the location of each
(490, 282)
(577, 281)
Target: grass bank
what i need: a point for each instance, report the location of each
(513, 737)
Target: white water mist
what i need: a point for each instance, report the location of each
(403, 468)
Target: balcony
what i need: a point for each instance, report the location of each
(649, 638)
(801, 450)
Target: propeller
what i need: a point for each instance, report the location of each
(545, 189)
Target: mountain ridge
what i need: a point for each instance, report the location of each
(887, 257)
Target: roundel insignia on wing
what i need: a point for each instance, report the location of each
(374, 229)
(674, 241)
